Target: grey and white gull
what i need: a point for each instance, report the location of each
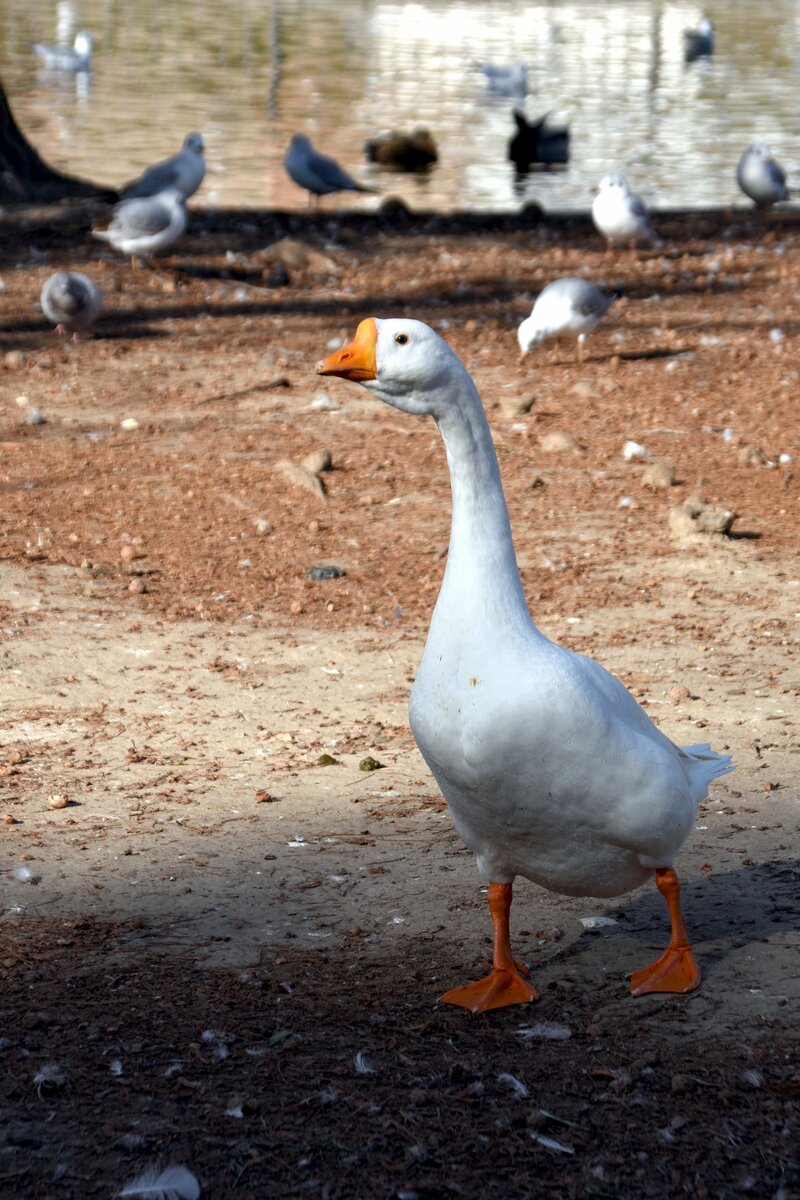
(72, 301)
(145, 225)
(77, 57)
(184, 171)
(620, 215)
(761, 177)
(569, 307)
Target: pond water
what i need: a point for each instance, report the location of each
(249, 73)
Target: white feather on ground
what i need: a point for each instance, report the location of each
(173, 1183)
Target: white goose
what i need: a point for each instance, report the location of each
(550, 768)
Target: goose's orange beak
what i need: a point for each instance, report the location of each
(355, 361)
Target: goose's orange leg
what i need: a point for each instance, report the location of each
(677, 969)
(504, 984)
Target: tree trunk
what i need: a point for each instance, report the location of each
(26, 178)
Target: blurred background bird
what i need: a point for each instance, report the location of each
(760, 177)
(318, 174)
(566, 307)
(415, 151)
(185, 171)
(77, 57)
(699, 42)
(620, 215)
(537, 144)
(72, 301)
(145, 225)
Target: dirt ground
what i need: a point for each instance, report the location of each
(230, 945)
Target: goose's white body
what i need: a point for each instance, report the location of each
(549, 766)
(619, 214)
(184, 171)
(760, 176)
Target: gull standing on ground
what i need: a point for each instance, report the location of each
(184, 171)
(315, 172)
(760, 177)
(143, 226)
(699, 42)
(77, 57)
(567, 307)
(71, 301)
(620, 215)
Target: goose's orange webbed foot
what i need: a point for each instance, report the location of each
(677, 969)
(504, 984)
(499, 989)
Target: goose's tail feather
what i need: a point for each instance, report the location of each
(704, 765)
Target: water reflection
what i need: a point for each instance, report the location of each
(249, 73)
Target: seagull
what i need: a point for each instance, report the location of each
(620, 215)
(315, 172)
(567, 306)
(184, 171)
(71, 301)
(143, 226)
(699, 42)
(550, 768)
(506, 79)
(77, 57)
(760, 177)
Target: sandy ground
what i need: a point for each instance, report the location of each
(204, 860)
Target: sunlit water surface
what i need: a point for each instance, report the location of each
(249, 73)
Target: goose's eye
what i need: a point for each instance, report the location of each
(401, 338)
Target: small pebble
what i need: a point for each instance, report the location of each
(129, 424)
(58, 800)
(678, 693)
(557, 442)
(137, 586)
(322, 571)
(277, 276)
(14, 359)
(658, 476)
(634, 450)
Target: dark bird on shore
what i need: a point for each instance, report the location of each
(415, 151)
(535, 144)
(699, 42)
(318, 174)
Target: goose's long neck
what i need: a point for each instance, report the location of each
(482, 578)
